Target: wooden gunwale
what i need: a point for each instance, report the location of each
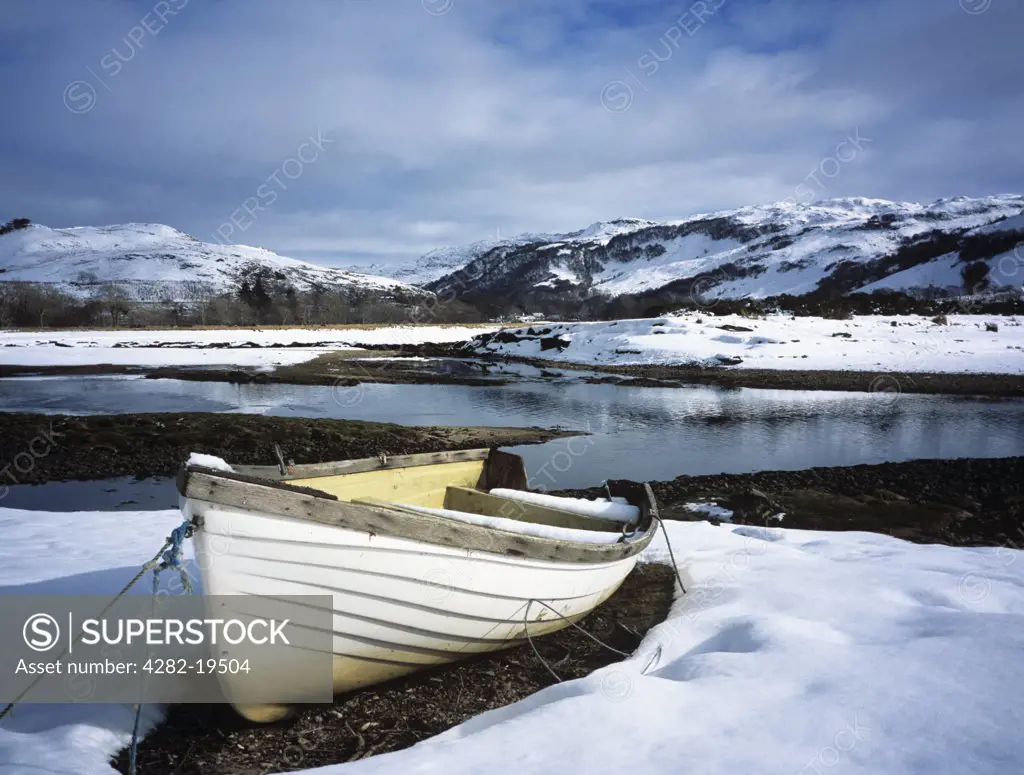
(312, 470)
(309, 505)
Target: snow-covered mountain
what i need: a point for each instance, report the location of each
(839, 245)
(151, 262)
(441, 262)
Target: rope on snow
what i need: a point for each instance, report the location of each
(169, 557)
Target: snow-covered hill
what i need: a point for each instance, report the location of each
(842, 245)
(151, 262)
(446, 261)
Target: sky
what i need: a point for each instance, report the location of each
(358, 132)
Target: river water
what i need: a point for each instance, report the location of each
(637, 433)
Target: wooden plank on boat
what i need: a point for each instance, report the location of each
(417, 486)
(639, 494)
(187, 471)
(309, 470)
(424, 528)
(476, 502)
(504, 469)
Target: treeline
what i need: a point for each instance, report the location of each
(41, 305)
(14, 225)
(265, 302)
(819, 304)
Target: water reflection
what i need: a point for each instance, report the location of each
(640, 433)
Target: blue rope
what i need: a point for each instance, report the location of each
(171, 558)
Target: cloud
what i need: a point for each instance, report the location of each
(445, 127)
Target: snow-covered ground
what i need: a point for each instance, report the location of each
(867, 343)
(261, 347)
(48, 553)
(792, 652)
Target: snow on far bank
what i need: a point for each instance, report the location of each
(260, 347)
(792, 652)
(865, 343)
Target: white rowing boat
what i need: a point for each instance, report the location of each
(427, 558)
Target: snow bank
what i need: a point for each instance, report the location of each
(84, 553)
(209, 347)
(792, 653)
(598, 508)
(868, 343)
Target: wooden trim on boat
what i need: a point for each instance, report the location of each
(183, 476)
(312, 470)
(503, 469)
(639, 494)
(221, 488)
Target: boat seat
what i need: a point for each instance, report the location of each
(487, 504)
(472, 501)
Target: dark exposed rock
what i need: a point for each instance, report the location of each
(731, 327)
(553, 343)
(729, 360)
(751, 505)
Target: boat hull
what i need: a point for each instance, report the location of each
(398, 605)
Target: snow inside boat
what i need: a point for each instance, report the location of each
(429, 558)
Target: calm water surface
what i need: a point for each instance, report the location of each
(638, 433)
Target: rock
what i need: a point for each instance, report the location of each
(993, 327)
(887, 496)
(730, 327)
(968, 503)
(751, 504)
(843, 334)
(506, 337)
(553, 342)
(728, 360)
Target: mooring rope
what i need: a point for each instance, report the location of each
(169, 556)
(671, 555)
(664, 532)
(571, 623)
(654, 658)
